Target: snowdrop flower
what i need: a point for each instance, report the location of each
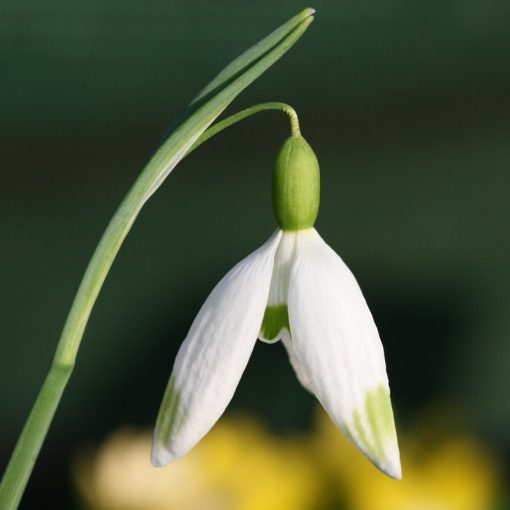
(297, 289)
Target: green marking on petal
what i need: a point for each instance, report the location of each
(361, 434)
(168, 420)
(380, 415)
(276, 318)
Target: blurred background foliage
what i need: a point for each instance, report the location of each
(407, 105)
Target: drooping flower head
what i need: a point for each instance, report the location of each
(294, 288)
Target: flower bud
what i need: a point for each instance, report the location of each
(296, 185)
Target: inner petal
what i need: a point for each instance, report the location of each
(276, 320)
(276, 316)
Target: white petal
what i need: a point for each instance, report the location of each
(296, 364)
(214, 355)
(338, 346)
(276, 317)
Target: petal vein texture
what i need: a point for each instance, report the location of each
(337, 345)
(213, 356)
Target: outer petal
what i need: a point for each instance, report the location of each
(338, 346)
(214, 355)
(295, 362)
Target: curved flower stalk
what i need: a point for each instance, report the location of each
(297, 289)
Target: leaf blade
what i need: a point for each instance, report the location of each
(221, 91)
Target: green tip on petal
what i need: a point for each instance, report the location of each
(276, 318)
(374, 431)
(169, 421)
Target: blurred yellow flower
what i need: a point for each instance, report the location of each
(238, 466)
(440, 473)
(241, 466)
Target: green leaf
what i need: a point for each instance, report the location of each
(201, 112)
(218, 94)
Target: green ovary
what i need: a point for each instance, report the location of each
(296, 185)
(275, 319)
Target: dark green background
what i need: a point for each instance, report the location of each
(407, 105)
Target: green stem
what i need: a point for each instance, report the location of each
(30, 441)
(248, 112)
(29, 444)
